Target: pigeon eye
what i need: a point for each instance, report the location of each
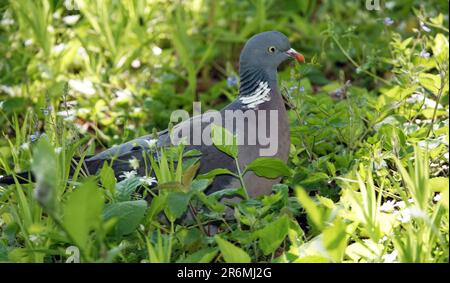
(271, 49)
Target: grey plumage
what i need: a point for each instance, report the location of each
(259, 60)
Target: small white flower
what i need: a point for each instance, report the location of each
(416, 212)
(136, 63)
(123, 95)
(390, 258)
(437, 197)
(404, 217)
(134, 163)
(156, 50)
(34, 238)
(25, 146)
(388, 21)
(148, 180)
(84, 86)
(58, 150)
(424, 27)
(28, 42)
(142, 227)
(151, 143)
(71, 20)
(128, 175)
(425, 54)
(384, 239)
(7, 22)
(401, 204)
(59, 48)
(121, 61)
(388, 206)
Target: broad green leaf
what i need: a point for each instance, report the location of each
(157, 205)
(82, 211)
(224, 140)
(177, 203)
(199, 185)
(107, 177)
(312, 259)
(269, 167)
(128, 213)
(311, 208)
(438, 184)
(125, 188)
(273, 234)
(334, 239)
(189, 174)
(314, 178)
(202, 256)
(215, 172)
(231, 253)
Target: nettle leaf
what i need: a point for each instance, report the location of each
(273, 234)
(224, 140)
(177, 203)
(82, 211)
(125, 188)
(232, 253)
(269, 167)
(128, 214)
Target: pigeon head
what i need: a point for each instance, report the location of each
(267, 50)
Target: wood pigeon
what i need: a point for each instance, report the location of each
(258, 95)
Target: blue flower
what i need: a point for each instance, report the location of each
(302, 89)
(34, 137)
(424, 27)
(425, 54)
(232, 81)
(47, 110)
(388, 21)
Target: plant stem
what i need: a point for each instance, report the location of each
(356, 64)
(241, 179)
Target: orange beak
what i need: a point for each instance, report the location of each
(297, 56)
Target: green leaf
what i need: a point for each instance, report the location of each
(82, 211)
(438, 184)
(199, 185)
(315, 178)
(128, 213)
(311, 208)
(156, 206)
(224, 140)
(107, 177)
(231, 253)
(273, 234)
(269, 167)
(125, 188)
(215, 172)
(335, 239)
(177, 203)
(202, 256)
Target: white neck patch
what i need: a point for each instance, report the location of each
(260, 95)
